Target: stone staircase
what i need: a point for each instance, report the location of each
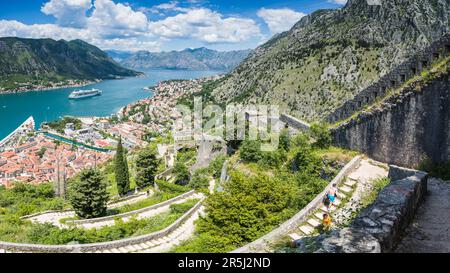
(163, 244)
(315, 220)
(349, 194)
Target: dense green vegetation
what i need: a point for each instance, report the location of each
(181, 173)
(39, 62)
(205, 94)
(60, 124)
(49, 234)
(25, 199)
(265, 189)
(88, 194)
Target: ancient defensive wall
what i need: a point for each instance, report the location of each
(408, 69)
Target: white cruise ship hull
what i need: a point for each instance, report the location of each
(83, 96)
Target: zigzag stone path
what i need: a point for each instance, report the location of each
(164, 244)
(54, 217)
(183, 232)
(140, 216)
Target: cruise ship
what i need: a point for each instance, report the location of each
(80, 94)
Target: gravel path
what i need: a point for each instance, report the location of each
(430, 230)
(54, 217)
(140, 216)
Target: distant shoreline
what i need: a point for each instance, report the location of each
(39, 89)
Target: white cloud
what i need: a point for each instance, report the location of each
(338, 2)
(116, 20)
(17, 29)
(68, 12)
(205, 25)
(172, 6)
(280, 20)
(111, 25)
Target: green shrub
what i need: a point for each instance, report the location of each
(438, 170)
(182, 175)
(88, 194)
(250, 151)
(215, 167)
(321, 135)
(146, 167)
(285, 140)
(183, 207)
(171, 188)
(273, 159)
(199, 181)
(248, 208)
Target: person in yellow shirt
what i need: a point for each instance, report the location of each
(327, 222)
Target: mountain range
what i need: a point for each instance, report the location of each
(36, 62)
(330, 55)
(188, 59)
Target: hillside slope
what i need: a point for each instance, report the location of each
(188, 59)
(328, 56)
(39, 61)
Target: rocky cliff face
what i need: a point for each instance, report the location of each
(330, 55)
(188, 59)
(25, 60)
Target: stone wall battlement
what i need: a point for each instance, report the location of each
(407, 127)
(402, 73)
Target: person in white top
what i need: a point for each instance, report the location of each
(332, 194)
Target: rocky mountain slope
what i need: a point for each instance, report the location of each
(188, 59)
(40, 61)
(330, 55)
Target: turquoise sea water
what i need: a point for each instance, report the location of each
(52, 104)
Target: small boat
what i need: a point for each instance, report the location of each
(81, 94)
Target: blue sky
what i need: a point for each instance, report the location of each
(156, 25)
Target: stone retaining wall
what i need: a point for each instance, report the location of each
(393, 79)
(407, 128)
(134, 212)
(380, 227)
(13, 247)
(260, 244)
(294, 122)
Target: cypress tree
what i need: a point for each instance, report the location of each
(146, 167)
(121, 170)
(88, 194)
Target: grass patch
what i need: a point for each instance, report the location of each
(438, 170)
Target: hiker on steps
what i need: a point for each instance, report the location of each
(332, 194)
(327, 222)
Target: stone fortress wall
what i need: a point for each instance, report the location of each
(406, 129)
(393, 79)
